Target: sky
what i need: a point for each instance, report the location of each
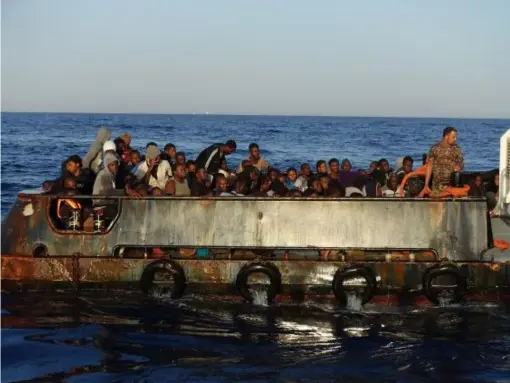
(434, 58)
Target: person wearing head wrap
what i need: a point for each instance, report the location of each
(92, 159)
(154, 171)
(105, 180)
(126, 137)
(109, 147)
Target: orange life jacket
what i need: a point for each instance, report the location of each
(69, 202)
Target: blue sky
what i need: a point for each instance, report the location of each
(447, 58)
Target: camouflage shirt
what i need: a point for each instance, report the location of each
(444, 158)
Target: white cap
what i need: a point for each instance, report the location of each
(109, 145)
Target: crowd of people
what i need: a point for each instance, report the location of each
(115, 168)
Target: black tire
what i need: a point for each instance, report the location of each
(354, 272)
(444, 270)
(271, 271)
(179, 280)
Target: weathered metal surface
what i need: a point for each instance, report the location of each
(207, 272)
(501, 230)
(455, 229)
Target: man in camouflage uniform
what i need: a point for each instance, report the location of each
(444, 158)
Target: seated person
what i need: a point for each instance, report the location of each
(201, 184)
(221, 188)
(105, 185)
(178, 186)
(154, 171)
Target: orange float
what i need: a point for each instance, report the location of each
(445, 193)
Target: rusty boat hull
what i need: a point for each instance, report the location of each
(298, 248)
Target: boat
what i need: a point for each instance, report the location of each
(396, 250)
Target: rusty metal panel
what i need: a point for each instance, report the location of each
(209, 272)
(456, 229)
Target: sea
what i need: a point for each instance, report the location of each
(126, 337)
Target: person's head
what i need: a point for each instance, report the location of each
(221, 183)
(191, 166)
(273, 174)
(334, 165)
(407, 164)
(346, 165)
(324, 180)
(134, 157)
(321, 166)
(450, 135)
(120, 145)
(316, 186)
(180, 172)
(310, 193)
(201, 175)
(306, 170)
(126, 137)
(69, 183)
(424, 158)
(254, 151)
(152, 143)
(478, 180)
(392, 181)
(170, 151)
(109, 147)
(496, 179)
(265, 183)
(73, 165)
(335, 184)
(180, 158)
(142, 190)
(373, 166)
(384, 165)
(240, 186)
(152, 154)
(252, 172)
(111, 162)
(295, 193)
(157, 192)
(292, 174)
(229, 147)
(279, 189)
(334, 193)
(413, 187)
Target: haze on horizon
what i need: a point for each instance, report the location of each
(364, 58)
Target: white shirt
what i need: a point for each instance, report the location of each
(164, 174)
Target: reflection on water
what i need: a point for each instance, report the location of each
(125, 337)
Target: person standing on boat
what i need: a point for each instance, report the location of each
(444, 158)
(255, 159)
(210, 158)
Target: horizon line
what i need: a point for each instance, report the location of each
(262, 115)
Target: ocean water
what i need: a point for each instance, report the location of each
(130, 338)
